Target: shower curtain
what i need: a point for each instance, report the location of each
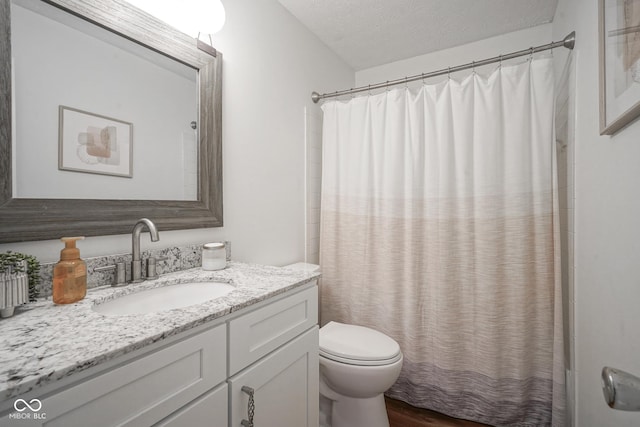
(439, 227)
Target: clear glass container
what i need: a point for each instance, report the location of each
(214, 256)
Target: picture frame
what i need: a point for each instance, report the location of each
(619, 40)
(93, 143)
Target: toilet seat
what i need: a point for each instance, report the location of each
(357, 345)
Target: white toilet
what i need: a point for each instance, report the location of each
(357, 365)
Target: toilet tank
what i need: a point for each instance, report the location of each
(303, 266)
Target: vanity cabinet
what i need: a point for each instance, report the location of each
(273, 353)
(142, 391)
(196, 378)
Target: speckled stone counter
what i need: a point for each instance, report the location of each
(47, 342)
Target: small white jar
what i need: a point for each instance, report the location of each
(214, 256)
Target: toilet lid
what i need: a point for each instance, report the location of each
(357, 345)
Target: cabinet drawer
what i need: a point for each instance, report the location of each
(208, 410)
(145, 390)
(259, 332)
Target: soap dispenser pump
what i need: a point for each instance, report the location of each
(69, 274)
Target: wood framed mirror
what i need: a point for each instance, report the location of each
(41, 218)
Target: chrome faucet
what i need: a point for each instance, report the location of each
(136, 262)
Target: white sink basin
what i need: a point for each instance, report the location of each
(164, 298)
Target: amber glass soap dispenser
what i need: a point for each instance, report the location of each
(69, 274)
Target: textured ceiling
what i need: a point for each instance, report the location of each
(366, 33)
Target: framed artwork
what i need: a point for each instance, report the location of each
(92, 143)
(619, 22)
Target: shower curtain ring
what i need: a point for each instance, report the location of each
(423, 82)
(449, 73)
(531, 53)
(386, 86)
(369, 90)
(501, 61)
(473, 66)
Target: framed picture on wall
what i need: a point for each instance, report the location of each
(619, 22)
(92, 143)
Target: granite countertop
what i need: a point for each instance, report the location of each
(45, 342)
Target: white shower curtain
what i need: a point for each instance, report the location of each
(439, 228)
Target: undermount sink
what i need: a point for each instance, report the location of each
(164, 298)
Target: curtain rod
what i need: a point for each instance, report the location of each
(568, 42)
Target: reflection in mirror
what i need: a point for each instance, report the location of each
(126, 148)
(93, 70)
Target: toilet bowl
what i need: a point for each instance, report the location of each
(357, 365)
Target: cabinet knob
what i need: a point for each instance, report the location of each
(251, 407)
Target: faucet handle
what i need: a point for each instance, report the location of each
(121, 272)
(152, 272)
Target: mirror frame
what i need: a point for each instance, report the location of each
(28, 219)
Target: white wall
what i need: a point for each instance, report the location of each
(481, 49)
(565, 151)
(271, 66)
(313, 143)
(607, 235)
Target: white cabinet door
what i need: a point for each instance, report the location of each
(207, 410)
(285, 385)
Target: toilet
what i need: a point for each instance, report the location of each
(357, 365)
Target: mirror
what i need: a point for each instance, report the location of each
(38, 212)
(116, 132)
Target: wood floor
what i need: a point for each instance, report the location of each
(404, 415)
